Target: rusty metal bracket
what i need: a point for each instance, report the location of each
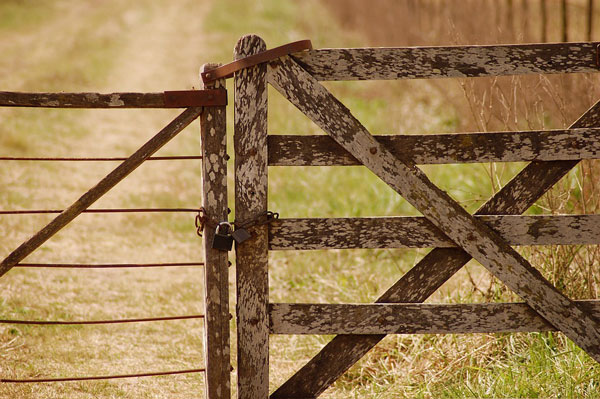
(227, 70)
(195, 98)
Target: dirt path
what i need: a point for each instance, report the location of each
(160, 48)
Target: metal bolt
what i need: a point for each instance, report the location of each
(373, 150)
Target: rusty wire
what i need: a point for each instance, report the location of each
(103, 377)
(94, 159)
(99, 210)
(89, 322)
(107, 265)
(103, 266)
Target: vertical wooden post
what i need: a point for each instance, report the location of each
(544, 17)
(564, 21)
(590, 20)
(250, 145)
(216, 273)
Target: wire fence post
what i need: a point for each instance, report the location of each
(216, 281)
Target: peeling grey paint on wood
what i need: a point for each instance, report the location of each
(312, 379)
(213, 135)
(369, 319)
(418, 232)
(448, 62)
(428, 275)
(250, 144)
(86, 100)
(552, 145)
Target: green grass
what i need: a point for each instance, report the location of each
(448, 366)
(20, 15)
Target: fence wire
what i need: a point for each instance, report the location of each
(101, 377)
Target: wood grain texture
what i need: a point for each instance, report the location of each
(448, 62)
(473, 236)
(553, 145)
(108, 182)
(213, 135)
(111, 100)
(427, 276)
(250, 144)
(418, 232)
(369, 319)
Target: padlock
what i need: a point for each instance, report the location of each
(240, 235)
(222, 240)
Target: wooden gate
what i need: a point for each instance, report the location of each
(457, 236)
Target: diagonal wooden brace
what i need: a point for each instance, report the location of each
(473, 236)
(427, 276)
(108, 182)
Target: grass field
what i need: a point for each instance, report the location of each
(116, 45)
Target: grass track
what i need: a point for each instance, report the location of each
(159, 45)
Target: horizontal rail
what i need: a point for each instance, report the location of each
(167, 99)
(102, 377)
(106, 265)
(409, 318)
(100, 210)
(449, 62)
(418, 232)
(93, 322)
(95, 159)
(524, 146)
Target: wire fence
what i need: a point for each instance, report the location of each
(108, 265)
(101, 377)
(133, 100)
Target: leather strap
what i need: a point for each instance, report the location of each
(227, 70)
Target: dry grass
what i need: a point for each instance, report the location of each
(153, 46)
(102, 46)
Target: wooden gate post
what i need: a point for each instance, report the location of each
(250, 145)
(216, 273)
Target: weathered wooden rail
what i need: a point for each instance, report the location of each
(487, 236)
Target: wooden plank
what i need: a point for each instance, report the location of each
(471, 235)
(418, 232)
(168, 99)
(427, 276)
(448, 62)
(369, 319)
(552, 145)
(250, 143)
(108, 182)
(213, 135)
